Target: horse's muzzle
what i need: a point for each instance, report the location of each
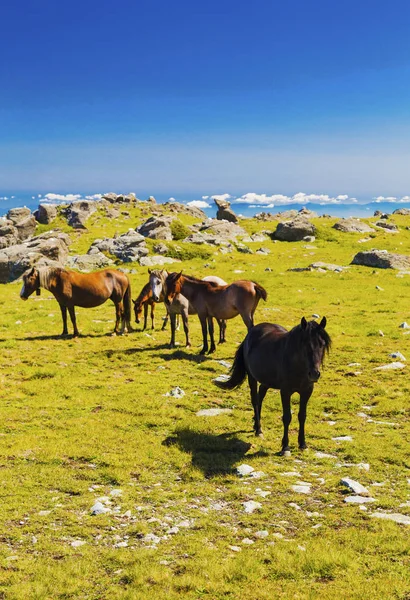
(314, 375)
(155, 298)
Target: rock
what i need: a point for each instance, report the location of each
(354, 486)
(110, 197)
(324, 455)
(391, 366)
(398, 355)
(358, 500)
(234, 548)
(402, 211)
(178, 207)
(343, 438)
(310, 239)
(244, 470)
(176, 392)
(262, 493)
(151, 261)
(301, 489)
(78, 543)
(247, 541)
(404, 325)
(224, 211)
(262, 534)
(264, 251)
(46, 213)
(327, 267)
(99, 509)
(128, 247)
(244, 249)
(294, 231)
(116, 493)
(89, 262)
(151, 538)
(213, 412)
(24, 222)
(251, 506)
(381, 259)
(388, 226)
(8, 234)
(351, 225)
(160, 248)
(77, 213)
(206, 238)
(396, 517)
(157, 228)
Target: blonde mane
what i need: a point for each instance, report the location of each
(46, 275)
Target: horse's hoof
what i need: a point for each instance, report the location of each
(303, 447)
(212, 350)
(114, 333)
(188, 345)
(285, 453)
(203, 351)
(259, 434)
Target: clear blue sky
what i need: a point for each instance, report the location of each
(190, 97)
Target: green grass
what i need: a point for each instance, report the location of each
(81, 417)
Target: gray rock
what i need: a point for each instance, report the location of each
(396, 517)
(301, 488)
(398, 355)
(388, 226)
(390, 367)
(8, 234)
(16, 215)
(160, 248)
(244, 470)
(89, 262)
(99, 509)
(157, 228)
(251, 506)
(354, 486)
(151, 261)
(223, 229)
(404, 325)
(262, 534)
(351, 225)
(110, 197)
(46, 213)
(294, 231)
(79, 212)
(381, 259)
(244, 249)
(402, 211)
(343, 438)
(128, 247)
(224, 211)
(327, 267)
(358, 500)
(264, 251)
(213, 412)
(177, 207)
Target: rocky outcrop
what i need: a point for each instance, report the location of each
(294, 231)
(402, 211)
(24, 222)
(8, 233)
(192, 211)
(157, 228)
(89, 262)
(224, 212)
(152, 261)
(128, 247)
(224, 229)
(381, 259)
(352, 226)
(46, 213)
(48, 249)
(386, 225)
(77, 213)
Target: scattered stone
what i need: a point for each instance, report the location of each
(251, 506)
(244, 470)
(78, 543)
(77, 213)
(213, 412)
(152, 261)
(235, 548)
(89, 262)
(225, 363)
(381, 333)
(262, 493)
(291, 474)
(257, 474)
(295, 506)
(262, 534)
(324, 455)
(354, 486)
(128, 247)
(358, 500)
(176, 392)
(352, 225)
(151, 538)
(398, 355)
(99, 509)
(301, 489)
(173, 530)
(381, 259)
(121, 544)
(391, 366)
(396, 517)
(247, 541)
(157, 228)
(46, 213)
(379, 288)
(389, 226)
(404, 325)
(343, 438)
(115, 493)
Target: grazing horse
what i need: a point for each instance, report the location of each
(222, 302)
(143, 302)
(72, 289)
(180, 305)
(288, 361)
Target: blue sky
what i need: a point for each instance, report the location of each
(194, 97)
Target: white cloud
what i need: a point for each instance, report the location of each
(404, 199)
(205, 197)
(171, 199)
(385, 199)
(299, 198)
(62, 197)
(94, 197)
(3, 198)
(199, 204)
(221, 197)
(39, 195)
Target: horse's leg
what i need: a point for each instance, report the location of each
(145, 316)
(211, 334)
(247, 318)
(253, 386)
(286, 418)
(184, 316)
(153, 315)
(177, 323)
(118, 317)
(73, 320)
(64, 315)
(304, 397)
(165, 323)
(222, 329)
(261, 395)
(172, 317)
(204, 334)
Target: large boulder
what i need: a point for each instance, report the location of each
(223, 229)
(381, 259)
(294, 231)
(224, 212)
(157, 228)
(351, 225)
(89, 262)
(402, 211)
(128, 247)
(153, 261)
(46, 213)
(24, 221)
(178, 207)
(8, 234)
(49, 249)
(386, 225)
(78, 212)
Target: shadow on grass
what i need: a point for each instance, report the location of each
(213, 454)
(33, 338)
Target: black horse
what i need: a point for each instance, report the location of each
(284, 360)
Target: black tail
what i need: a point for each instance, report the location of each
(261, 292)
(237, 373)
(127, 304)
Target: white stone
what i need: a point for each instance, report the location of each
(354, 486)
(343, 438)
(224, 363)
(99, 509)
(291, 474)
(324, 455)
(78, 543)
(247, 541)
(176, 392)
(390, 367)
(263, 494)
(301, 489)
(398, 355)
(404, 325)
(294, 505)
(173, 530)
(116, 493)
(262, 534)
(396, 517)
(121, 544)
(358, 500)
(251, 506)
(151, 538)
(234, 548)
(213, 412)
(257, 474)
(244, 470)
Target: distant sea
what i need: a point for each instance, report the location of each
(359, 209)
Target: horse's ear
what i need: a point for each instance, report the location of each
(134, 301)
(323, 323)
(149, 271)
(33, 270)
(303, 323)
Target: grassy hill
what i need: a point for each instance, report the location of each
(90, 418)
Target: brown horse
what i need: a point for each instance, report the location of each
(72, 289)
(210, 300)
(288, 361)
(144, 301)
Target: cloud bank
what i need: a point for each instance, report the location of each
(199, 204)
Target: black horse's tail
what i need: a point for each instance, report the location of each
(127, 304)
(260, 291)
(237, 373)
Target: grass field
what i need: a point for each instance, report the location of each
(83, 418)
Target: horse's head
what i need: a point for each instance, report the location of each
(315, 342)
(31, 283)
(137, 310)
(173, 285)
(157, 279)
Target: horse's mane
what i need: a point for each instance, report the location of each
(144, 292)
(160, 273)
(312, 330)
(47, 274)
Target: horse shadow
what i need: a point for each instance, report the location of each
(212, 454)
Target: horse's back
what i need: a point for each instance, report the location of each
(92, 289)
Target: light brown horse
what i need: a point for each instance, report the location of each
(210, 300)
(72, 289)
(145, 301)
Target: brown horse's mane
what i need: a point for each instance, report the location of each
(144, 294)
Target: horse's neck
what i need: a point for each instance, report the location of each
(190, 288)
(45, 275)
